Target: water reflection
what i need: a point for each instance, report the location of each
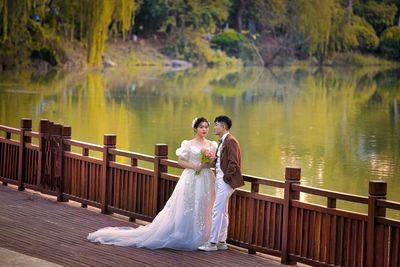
(341, 126)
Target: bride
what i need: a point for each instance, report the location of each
(185, 221)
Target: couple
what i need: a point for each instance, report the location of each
(194, 217)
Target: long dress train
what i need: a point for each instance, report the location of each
(185, 221)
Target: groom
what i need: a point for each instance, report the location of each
(228, 178)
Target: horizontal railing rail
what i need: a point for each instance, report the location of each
(8, 129)
(83, 145)
(331, 195)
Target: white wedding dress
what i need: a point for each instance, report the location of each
(185, 221)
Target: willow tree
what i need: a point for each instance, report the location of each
(4, 14)
(16, 39)
(123, 15)
(101, 14)
(314, 22)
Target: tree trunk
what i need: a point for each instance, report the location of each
(239, 18)
(349, 11)
(5, 21)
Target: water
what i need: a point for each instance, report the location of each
(340, 126)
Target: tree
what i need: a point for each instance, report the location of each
(349, 11)
(390, 42)
(241, 9)
(379, 15)
(314, 23)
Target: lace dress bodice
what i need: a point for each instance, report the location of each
(192, 153)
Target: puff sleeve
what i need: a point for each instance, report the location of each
(183, 151)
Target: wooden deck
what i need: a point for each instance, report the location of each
(40, 227)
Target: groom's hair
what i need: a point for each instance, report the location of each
(224, 119)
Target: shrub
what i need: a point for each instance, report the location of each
(192, 47)
(390, 42)
(379, 15)
(235, 45)
(181, 45)
(229, 41)
(366, 38)
(360, 35)
(349, 38)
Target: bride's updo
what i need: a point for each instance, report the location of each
(196, 122)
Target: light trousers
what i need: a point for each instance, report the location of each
(220, 217)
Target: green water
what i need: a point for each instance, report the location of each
(340, 126)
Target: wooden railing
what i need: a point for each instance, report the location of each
(295, 231)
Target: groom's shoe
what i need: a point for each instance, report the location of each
(222, 246)
(208, 247)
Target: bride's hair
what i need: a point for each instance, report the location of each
(197, 121)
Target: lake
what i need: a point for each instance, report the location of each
(340, 126)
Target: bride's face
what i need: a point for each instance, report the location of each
(202, 129)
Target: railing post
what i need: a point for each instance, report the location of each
(134, 163)
(8, 136)
(377, 190)
(250, 231)
(26, 126)
(65, 134)
(44, 126)
(110, 141)
(56, 154)
(292, 176)
(161, 152)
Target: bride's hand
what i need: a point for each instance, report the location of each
(198, 167)
(206, 165)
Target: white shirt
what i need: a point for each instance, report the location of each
(218, 169)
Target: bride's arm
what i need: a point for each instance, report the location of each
(187, 165)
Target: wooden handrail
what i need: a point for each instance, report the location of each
(74, 155)
(170, 163)
(169, 177)
(9, 129)
(127, 167)
(329, 194)
(263, 181)
(32, 134)
(81, 144)
(9, 141)
(384, 203)
(32, 146)
(132, 155)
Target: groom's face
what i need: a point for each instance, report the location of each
(218, 128)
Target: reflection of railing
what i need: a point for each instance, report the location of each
(282, 226)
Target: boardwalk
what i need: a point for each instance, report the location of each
(56, 232)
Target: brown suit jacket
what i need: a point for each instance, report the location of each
(230, 162)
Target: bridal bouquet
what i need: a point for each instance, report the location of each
(206, 156)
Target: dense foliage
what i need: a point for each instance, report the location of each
(235, 45)
(42, 30)
(390, 42)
